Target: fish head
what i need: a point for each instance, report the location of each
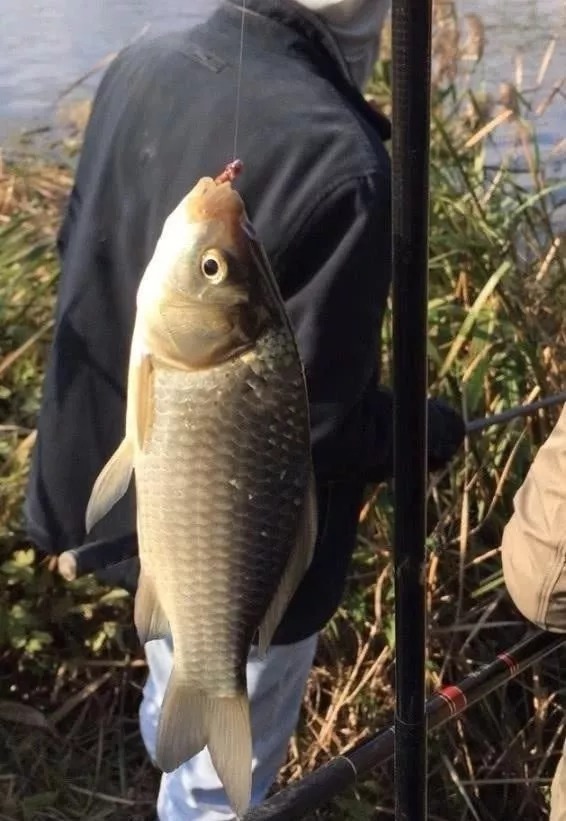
(208, 293)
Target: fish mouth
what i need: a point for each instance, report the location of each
(210, 200)
(220, 205)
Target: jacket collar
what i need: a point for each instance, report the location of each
(312, 40)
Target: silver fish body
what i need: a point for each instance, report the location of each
(217, 435)
(220, 487)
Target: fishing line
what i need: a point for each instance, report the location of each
(239, 81)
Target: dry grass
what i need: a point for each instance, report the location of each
(70, 667)
(69, 681)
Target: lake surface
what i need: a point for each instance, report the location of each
(46, 45)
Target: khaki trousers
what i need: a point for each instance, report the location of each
(558, 792)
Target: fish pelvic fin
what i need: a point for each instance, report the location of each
(149, 618)
(111, 484)
(297, 565)
(191, 719)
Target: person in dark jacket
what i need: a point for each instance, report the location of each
(316, 185)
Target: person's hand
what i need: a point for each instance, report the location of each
(446, 432)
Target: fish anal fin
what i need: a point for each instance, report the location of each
(297, 565)
(111, 484)
(191, 719)
(149, 618)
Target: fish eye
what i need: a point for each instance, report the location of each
(213, 267)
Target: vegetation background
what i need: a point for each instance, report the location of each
(71, 669)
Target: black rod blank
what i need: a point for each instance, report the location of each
(313, 791)
(478, 425)
(411, 55)
(97, 555)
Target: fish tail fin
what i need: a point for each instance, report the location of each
(111, 484)
(230, 748)
(190, 719)
(183, 724)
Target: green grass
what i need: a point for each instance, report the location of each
(70, 666)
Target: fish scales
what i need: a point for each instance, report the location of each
(220, 487)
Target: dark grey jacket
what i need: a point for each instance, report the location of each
(316, 184)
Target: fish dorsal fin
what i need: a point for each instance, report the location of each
(297, 565)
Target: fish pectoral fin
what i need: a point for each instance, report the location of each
(190, 719)
(144, 409)
(111, 484)
(139, 414)
(297, 565)
(149, 618)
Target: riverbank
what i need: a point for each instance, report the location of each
(70, 665)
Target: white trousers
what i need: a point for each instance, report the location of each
(276, 686)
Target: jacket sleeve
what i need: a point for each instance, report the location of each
(80, 420)
(336, 273)
(534, 541)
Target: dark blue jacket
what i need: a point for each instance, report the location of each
(316, 184)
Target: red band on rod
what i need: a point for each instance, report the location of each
(511, 663)
(454, 697)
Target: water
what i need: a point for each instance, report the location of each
(46, 45)
(518, 35)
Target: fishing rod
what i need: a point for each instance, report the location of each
(411, 32)
(478, 425)
(318, 787)
(97, 555)
(104, 553)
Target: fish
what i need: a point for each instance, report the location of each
(217, 443)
